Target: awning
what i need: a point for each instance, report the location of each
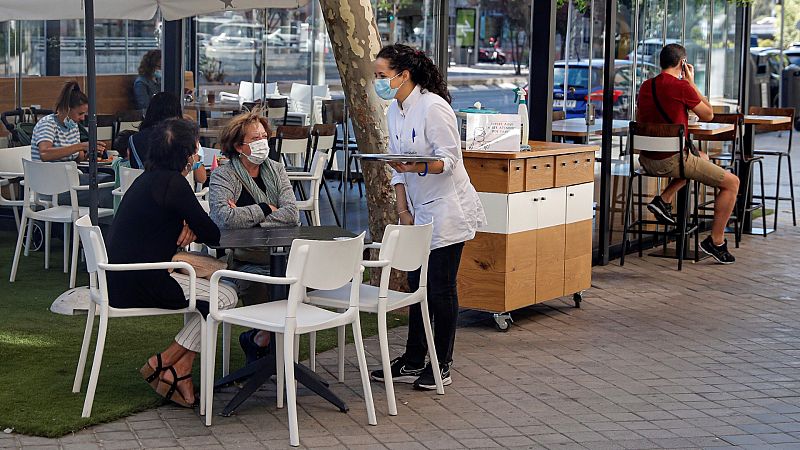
(131, 9)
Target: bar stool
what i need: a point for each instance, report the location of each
(736, 157)
(656, 138)
(785, 112)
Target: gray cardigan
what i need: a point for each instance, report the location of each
(224, 185)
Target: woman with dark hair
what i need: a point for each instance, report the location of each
(422, 123)
(56, 136)
(148, 83)
(163, 106)
(158, 215)
(250, 191)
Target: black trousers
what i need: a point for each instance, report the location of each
(442, 306)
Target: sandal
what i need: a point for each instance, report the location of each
(168, 389)
(151, 374)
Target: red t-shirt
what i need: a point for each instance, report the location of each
(675, 96)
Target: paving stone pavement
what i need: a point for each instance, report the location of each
(655, 358)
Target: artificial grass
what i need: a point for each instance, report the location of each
(39, 351)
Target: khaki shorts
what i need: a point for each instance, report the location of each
(694, 168)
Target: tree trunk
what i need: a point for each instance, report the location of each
(354, 36)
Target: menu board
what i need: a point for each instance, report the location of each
(493, 132)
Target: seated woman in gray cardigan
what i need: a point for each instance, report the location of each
(251, 190)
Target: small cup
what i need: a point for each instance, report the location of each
(212, 97)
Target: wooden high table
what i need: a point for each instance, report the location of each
(746, 196)
(537, 242)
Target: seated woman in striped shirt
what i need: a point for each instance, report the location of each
(56, 137)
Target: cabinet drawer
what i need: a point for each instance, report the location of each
(496, 175)
(552, 205)
(580, 201)
(574, 169)
(540, 173)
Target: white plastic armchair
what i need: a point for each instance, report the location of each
(405, 248)
(309, 267)
(51, 179)
(97, 264)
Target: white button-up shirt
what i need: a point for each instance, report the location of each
(426, 126)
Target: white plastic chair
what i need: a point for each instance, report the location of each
(307, 99)
(311, 204)
(292, 145)
(202, 192)
(309, 267)
(126, 177)
(94, 248)
(10, 168)
(53, 178)
(404, 248)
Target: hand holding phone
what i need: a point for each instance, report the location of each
(688, 71)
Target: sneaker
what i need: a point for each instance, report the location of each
(662, 211)
(718, 252)
(252, 351)
(426, 382)
(402, 372)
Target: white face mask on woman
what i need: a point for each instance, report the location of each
(259, 151)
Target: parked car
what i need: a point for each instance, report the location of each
(793, 53)
(649, 49)
(767, 63)
(579, 92)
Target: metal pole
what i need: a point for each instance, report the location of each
(634, 75)
(780, 84)
(540, 73)
(683, 22)
(664, 24)
(591, 69)
(346, 166)
(18, 31)
(442, 21)
(744, 78)
(91, 92)
(426, 5)
(608, 127)
(567, 44)
(708, 50)
(127, 47)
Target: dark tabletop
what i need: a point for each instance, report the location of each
(277, 237)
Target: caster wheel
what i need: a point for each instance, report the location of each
(502, 322)
(37, 238)
(577, 298)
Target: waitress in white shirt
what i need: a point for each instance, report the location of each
(421, 122)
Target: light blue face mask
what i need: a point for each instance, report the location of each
(157, 74)
(383, 87)
(70, 124)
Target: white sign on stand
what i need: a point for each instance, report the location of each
(493, 132)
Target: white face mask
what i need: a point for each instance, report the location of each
(259, 151)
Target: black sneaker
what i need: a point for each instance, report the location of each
(426, 382)
(662, 211)
(718, 252)
(252, 351)
(402, 372)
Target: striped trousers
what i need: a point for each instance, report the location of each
(189, 336)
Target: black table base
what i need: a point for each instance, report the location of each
(261, 371)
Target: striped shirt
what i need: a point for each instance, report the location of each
(50, 129)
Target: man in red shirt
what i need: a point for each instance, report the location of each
(674, 95)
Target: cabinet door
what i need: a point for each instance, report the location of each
(495, 206)
(552, 205)
(579, 202)
(522, 211)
